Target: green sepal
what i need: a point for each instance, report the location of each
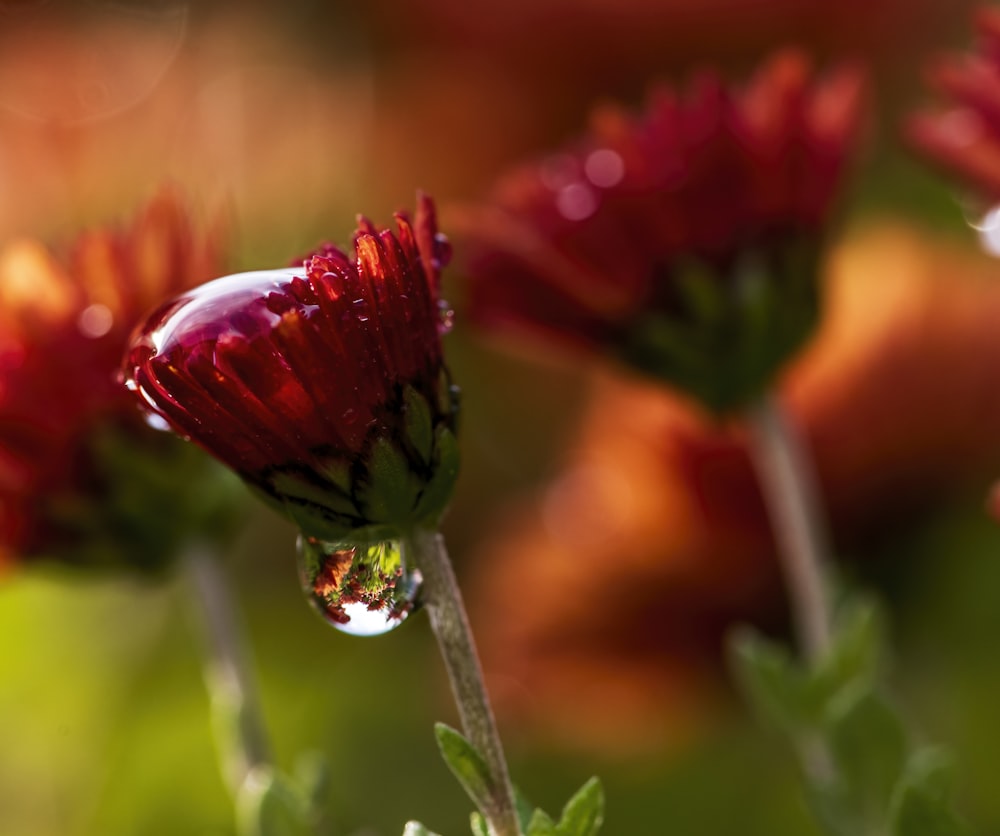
(391, 486)
(267, 804)
(295, 491)
(419, 423)
(466, 764)
(437, 493)
(415, 828)
(338, 474)
(727, 330)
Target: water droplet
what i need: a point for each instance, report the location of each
(349, 417)
(446, 317)
(361, 310)
(359, 588)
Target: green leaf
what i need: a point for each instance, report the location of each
(921, 805)
(267, 804)
(541, 824)
(918, 812)
(479, 825)
(584, 812)
(466, 764)
(856, 651)
(775, 687)
(869, 749)
(415, 828)
(524, 809)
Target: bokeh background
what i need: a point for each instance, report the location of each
(606, 535)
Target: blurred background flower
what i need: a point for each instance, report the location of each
(84, 479)
(623, 579)
(653, 527)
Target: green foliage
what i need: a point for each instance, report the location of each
(267, 804)
(863, 779)
(582, 815)
(467, 765)
(921, 806)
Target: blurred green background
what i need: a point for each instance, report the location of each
(294, 121)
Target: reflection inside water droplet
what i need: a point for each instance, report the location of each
(359, 588)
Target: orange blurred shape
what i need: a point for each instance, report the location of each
(97, 108)
(602, 602)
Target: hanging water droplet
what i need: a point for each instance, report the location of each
(446, 317)
(359, 588)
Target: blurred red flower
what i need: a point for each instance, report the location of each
(963, 137)
(683, 241)
(602, 602)
(64, 322)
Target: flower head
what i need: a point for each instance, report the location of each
(683, 240)
(324, 386)
(82, 478)
(964, 137)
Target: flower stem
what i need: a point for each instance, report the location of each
(241, 736)
(790, 494)
(425, 550)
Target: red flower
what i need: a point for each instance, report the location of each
(74, 483)
(323, 387)
(683, 240)
(964, 138)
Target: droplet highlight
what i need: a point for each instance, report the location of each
(359, 588)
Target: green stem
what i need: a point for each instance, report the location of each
(425, 550)
(790, 494)
(241, 736)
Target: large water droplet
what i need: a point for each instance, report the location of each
(359, 588)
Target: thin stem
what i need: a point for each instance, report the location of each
(790, 494)
(425, 550)
(241, 735)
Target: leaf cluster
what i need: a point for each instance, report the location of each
(864, 776)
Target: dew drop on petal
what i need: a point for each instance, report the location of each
(360, 588)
